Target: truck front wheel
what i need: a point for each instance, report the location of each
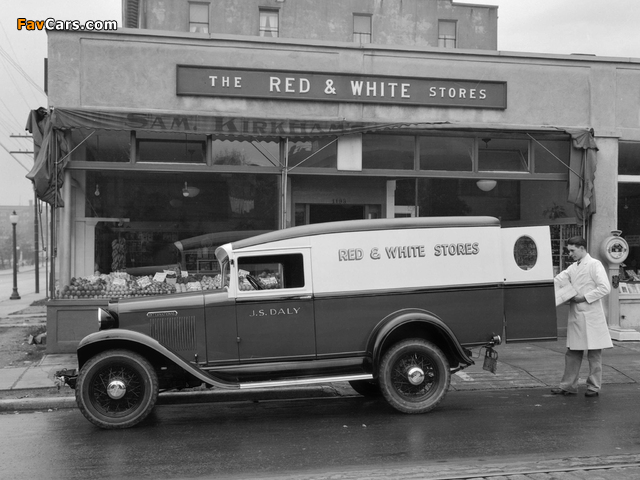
(116, 389)
(414, 376)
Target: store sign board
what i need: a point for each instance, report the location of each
(339, 87)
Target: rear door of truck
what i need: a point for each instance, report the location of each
(529, 297)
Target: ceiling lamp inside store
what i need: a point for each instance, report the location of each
(486, 185)
(188, 191)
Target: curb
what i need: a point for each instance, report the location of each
(36, 404)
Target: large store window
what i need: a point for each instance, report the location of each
(629, 203)
(157, 209)
(530, 202)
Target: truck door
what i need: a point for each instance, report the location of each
(529, 297)
(274, 307)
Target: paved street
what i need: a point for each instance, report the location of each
(473, 433)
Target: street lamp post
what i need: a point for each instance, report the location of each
(14, 220)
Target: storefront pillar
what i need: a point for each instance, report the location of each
(64, 242)
(605, 219)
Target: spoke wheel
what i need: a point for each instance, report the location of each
(414, 376)
(117, 389)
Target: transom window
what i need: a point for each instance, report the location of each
(482, 153)
(269, 24)
(361, 28)
(503, 155)
(170, 148)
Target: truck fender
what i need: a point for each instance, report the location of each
(398, 319)
(127, 339)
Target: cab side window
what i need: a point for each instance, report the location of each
(270, 272)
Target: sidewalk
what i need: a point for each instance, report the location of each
(521, 365)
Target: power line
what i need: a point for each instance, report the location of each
(20, 70)
(12, 156)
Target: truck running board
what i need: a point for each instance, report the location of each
(305, 381)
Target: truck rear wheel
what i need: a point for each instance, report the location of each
(414, 376)
(116, 389)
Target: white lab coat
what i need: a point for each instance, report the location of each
(587, 326)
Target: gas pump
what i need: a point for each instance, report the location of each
(614, 250)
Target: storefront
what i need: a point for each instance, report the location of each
(176, 137)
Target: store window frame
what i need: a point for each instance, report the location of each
(627, 202)
(479, 137)
(362, 27)
(198, 25)
(265, 17)
(197, 140)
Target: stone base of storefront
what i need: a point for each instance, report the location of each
(629, 328)
(69, 321)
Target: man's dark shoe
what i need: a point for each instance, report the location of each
(591, 393)
(560, 391)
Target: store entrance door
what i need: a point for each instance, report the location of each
(320, 213)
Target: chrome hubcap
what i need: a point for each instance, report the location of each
(415, 375)
(116, 389)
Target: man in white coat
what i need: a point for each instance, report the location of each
(587, 326)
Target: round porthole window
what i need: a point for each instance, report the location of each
(525, 253)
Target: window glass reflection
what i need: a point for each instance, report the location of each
(503, 155)
(244, 152)
(170, 148)
(388, 152)
(100, 145)
(446, 153)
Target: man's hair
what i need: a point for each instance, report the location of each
(577, 241)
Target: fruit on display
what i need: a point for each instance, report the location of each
(118, 254)
(123, 285)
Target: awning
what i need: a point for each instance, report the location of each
(582, 173)
(50, 150)
(52, 157)
(197, 124)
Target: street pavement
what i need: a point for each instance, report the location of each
(520, 365)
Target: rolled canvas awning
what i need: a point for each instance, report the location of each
(198, 124)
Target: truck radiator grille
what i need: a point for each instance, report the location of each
(178, 333)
